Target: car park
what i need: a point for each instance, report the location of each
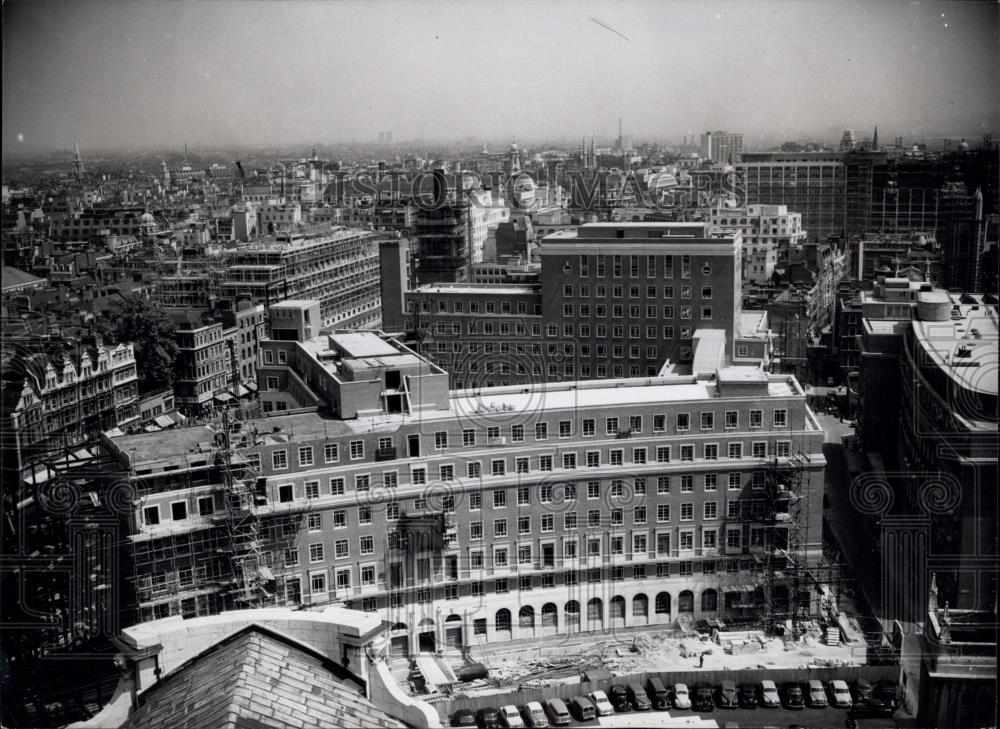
(887, 691)
(619, 698)
(658, 693)
(534, 715)
(510, 717)
(747, 696)
(488, 719)
(581, 709)
(768, 693)
(601, 702)
(702, 698)
(556, 712)
(463, 718)
(679, 696)
(840, 694)
(815, 694)
(640, 702)
(794, 698)
(728, 698)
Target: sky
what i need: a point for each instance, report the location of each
(162, 73)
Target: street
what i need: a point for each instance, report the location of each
(828, 718)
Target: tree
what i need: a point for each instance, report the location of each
(146, 325)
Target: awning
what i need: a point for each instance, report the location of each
(251, 385)
(152, 429)
(176, 416)
(115, 432)
(164, 421)
(223, 397)
(240, 391)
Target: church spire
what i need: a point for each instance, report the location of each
(875, 140)
(77, 160)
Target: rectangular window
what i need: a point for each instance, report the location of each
(151, 515)
(440, 440)
(499, 527)
(710, 510)
(638, 455)
(206, 506)
(362, 482)
(611, 426)
(616, 456)
(285, 493)
(498, 467)
(662, 513)
(711, 451)
(707, 421)
(663, 484)
(473, 469)
(312, 489)
(475, 530)
(367, 546)
(305, 456)
(687, 512)
(569, 460)
(663, 454)
(541, 431)
(687, 452)
(178, 510)
(780, 418)
(468, 437)
(711, 481)
(341, 549)
(732, 419)
(279, 460)
(315, 552)
(517, 433)
(683, 422)
(735, 450)
(756, 418)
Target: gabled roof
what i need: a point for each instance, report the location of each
(257, 678)
(15, 277)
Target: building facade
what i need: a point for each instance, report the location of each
(502, 514)
(770, 235)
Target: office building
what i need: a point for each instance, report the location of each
(499, 514)
(722, 147)
(771, 235)
(337, 266)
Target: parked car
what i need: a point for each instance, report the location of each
(619, 698)
(640, 702)
(815, 694)
(600, 701)
(794, 698)
(510, 717)
(581, 709)
(679, 696)
(702, 698)
(534, 715)
(658, 693)
(768, 693)
(556, 712)
(748, 696)
(870, 708)
(862, 690)
(888, 691)
(488, 719)
(728, 698)
(840, 694)
(463, 718)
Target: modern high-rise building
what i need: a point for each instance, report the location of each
(722, 147)
(495, 514)
(337, 266)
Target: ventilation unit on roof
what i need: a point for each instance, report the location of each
(963, 351)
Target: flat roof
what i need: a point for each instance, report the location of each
(752, 323)
(491, 289)
(363, 344)
(741, 374)
(293, 303)
(971, 362)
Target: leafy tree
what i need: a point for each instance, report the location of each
(146, 325)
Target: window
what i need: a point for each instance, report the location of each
(735, 481)
(570, 520)
(569, 460)
(783, 448)
(687, 484)
(392, 511)
(285, 493)
(639, 515)
(780, 418)
(473, 469)
(611, 426)
(206, 506)
(521, 465)
(735, 450)
(517, 433)
(710, 510)
(707, 421)
(357, 450)
(475, 501)
(687, 512)
(340, 519)
(663, 454)
(317, 583)
(151, 515)
(756, 418)
(305, 456)
(475, 530)
(732, 419)
(711, 451)
(687, 452)
(279, 460)
(638, 455)
(616, 456)
(498, 467)
(440, 440)
(418, 476)
(315, 552)
(499, 499)
(548, 523)
(523, 495)
(499, 527)
(331, 453)
(312, 489)
(594, 518)
(593, 489)
(341, 549)
(291, 558)
(364, 515)
(468, 437)
(683, 422)
(662, 513)
(663, 484)
(545, 463)
(733, 538)
(711, 482)
(362, 482)
(367, 571)
(541, 431)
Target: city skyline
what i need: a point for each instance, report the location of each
(142, 75)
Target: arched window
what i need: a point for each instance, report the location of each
(572, 612)
(640, 606)
(595, 609)
(526, 617)
(617, 607)
(709, 600)
(550, 614)
(503, 619)
(685, 602)
(663, 603)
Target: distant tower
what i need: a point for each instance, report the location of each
(875, 140)
(77, 161)
(515, 157)
(166, 174)
(485, 149)
(848, 142)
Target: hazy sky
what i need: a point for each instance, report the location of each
(157, 74)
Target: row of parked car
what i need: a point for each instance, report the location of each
(882, 699)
